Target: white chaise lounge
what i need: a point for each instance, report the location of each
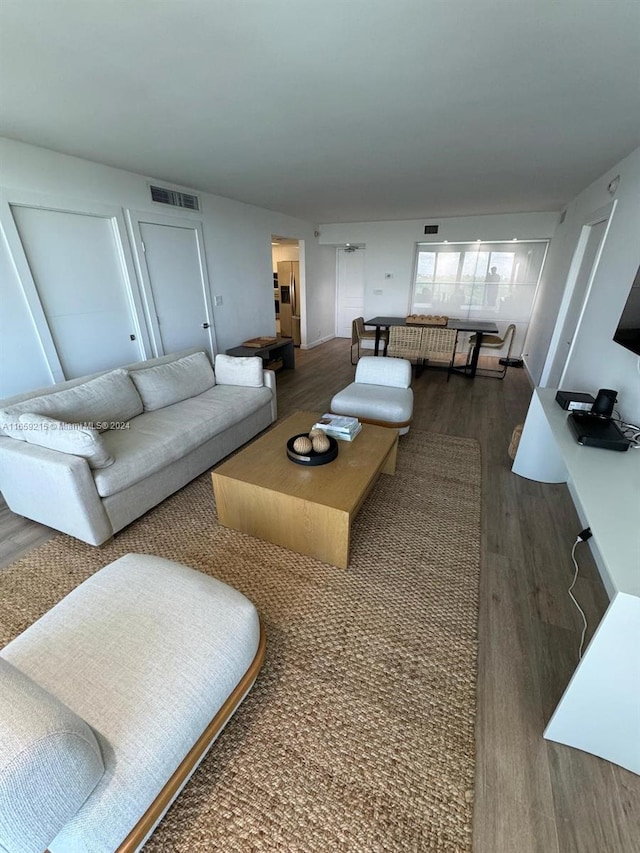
(111, 699)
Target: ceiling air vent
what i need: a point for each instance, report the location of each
(431, 229)
(174, 198)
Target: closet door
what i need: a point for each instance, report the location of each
(22, 361)
(174, 280)
(76, 264)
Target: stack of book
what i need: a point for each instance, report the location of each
(342, 427)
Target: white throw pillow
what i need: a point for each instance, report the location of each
(170, 383)
(239, 371)
(65, 438)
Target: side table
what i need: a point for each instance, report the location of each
(274, 356)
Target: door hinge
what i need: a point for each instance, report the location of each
(144, 248)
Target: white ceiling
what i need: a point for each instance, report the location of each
(333, 110)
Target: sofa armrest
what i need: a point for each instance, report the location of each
(56, 489)
(270, 382)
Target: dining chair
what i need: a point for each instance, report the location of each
(439, 345)
(494, 342)
(359, 334)
(406, 342)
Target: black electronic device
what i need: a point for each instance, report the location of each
(597, 431)
(575, 400)
(604, 402)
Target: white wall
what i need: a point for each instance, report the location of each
(595, 360)
(391, 248)
(237, 244)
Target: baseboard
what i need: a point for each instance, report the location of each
(318, 342)
(528, 372)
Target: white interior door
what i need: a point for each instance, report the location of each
(173, 271)
(585, 262)
(23, 360)
(350, 290)
(75, 260)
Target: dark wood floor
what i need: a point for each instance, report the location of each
(531, 796)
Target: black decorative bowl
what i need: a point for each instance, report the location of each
(312, 458)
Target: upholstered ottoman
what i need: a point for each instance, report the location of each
(381, 394)
(112, 698)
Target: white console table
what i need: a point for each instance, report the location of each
(600, 709)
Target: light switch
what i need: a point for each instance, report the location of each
(377, 293)
(217, 301)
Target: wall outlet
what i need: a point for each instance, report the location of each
(377, 292)
(217, 301)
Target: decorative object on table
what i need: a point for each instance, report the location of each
(344, 428)
(303, 445)
(320, 443)
(426, 320)
(256, 343)
(312, 457)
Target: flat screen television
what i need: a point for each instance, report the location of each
(628, 332)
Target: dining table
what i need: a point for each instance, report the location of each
(477, 327)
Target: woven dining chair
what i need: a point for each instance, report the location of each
(359, 334)
(406, 342)
(439, 345)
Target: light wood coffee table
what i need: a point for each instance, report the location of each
(308, 509)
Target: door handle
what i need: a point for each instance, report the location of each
(205, 325)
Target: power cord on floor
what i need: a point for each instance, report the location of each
(582, 537)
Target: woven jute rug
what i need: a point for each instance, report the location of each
(359, 732)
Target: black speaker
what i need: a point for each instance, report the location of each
(604, 403)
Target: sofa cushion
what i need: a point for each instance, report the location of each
(239, 371)
(166, 384)
(147, 651)
(374, 402)
(155, 439)
(66, 438)
(50, 762)
(98, 402)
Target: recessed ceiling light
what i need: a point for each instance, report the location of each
(515, 240)
(478, 240)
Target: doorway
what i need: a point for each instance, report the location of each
(583, 267)
(350, 288)
(287, 291)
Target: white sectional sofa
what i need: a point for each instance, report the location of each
(89, 456)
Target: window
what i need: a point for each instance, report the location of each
(486, 281)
